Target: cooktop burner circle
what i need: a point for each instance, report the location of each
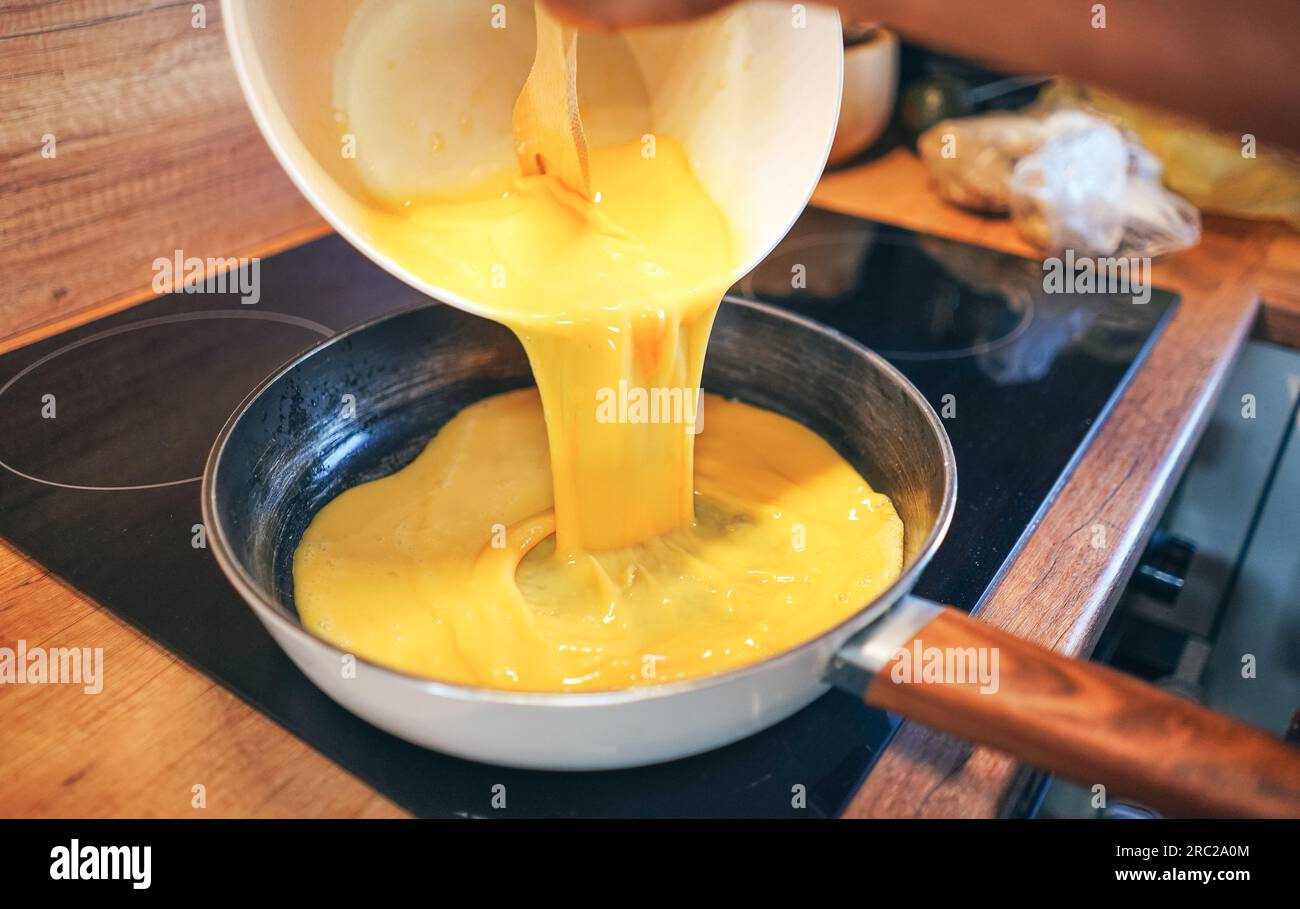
(846, 279)
(68, 420)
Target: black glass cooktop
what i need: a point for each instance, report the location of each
(104, 431)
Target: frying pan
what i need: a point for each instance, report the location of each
(292, 446)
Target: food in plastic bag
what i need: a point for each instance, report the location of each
(1069, 192)
(1068, 179)
(1216, 172)
(971, 159)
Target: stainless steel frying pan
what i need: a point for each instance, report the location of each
(289, 449)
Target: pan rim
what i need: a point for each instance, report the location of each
(270, 611)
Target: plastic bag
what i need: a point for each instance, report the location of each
(1216, 172)
(1068, 179)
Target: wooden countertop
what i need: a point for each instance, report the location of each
(161, 728)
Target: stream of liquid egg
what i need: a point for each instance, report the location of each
(582, 536)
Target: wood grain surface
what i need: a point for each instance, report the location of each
(141, 746)
(154, 151)
(1089, 723)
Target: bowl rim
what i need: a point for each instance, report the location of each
(273, 615)
(306, 174)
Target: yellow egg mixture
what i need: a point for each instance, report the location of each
(582, 536)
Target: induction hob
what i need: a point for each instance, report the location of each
(104, 431)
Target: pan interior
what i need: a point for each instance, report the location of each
(365, 404)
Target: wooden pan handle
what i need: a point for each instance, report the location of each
(1089, 723)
